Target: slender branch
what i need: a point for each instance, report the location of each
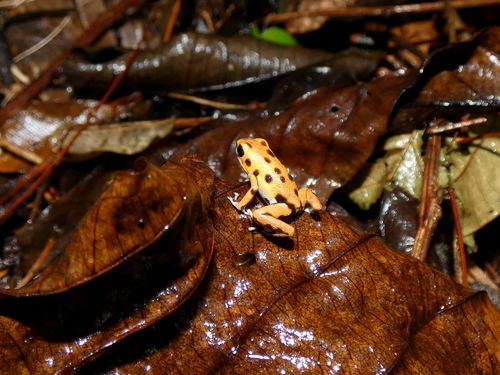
(379, 11)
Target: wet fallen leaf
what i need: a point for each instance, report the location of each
(135, 211)
(323, 138)
(329, 299)
(462, 73)
(455, 78)
(214, 63)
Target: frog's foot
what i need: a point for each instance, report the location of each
(238, 206)
(309, 201)
(269, 218)
(234, 200)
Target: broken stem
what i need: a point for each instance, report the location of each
(460, 238)
(430, 210)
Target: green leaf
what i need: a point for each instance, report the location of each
(475, 176)
(402, 165)
(274, 34)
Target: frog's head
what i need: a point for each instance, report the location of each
(252, 153)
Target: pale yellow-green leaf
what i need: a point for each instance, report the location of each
(475, 176)
(122, 138)
(402, 165)
(369, 182)
(405, 163)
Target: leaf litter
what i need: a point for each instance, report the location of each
(205, 295)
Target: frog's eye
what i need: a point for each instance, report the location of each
(240, 151)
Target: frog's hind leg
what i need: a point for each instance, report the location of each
(269, 218)
(307, 196)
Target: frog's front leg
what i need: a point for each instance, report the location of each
(254, 187)
(268, 217)
(306, 196)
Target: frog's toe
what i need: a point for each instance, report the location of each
(234, 200)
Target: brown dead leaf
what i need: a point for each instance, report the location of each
(34, 127)
(455, 77)
(466, 71)
(194, 61)
(134, 212)
(323, 139)
(330, 300)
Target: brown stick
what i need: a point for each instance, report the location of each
(460, 237)
(36, 266)
(384, 11)
(430, 211)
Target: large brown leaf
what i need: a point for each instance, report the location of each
(330, 299)
(136, 210)
(195, 61)
(323, 139)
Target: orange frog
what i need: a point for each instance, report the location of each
(275, 185)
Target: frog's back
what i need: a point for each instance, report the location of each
(276, 184)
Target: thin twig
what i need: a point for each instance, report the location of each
(455, 125)
(171, 22)
(430, 211)
(21, 152)
(35, 205)
(212, 103)
(188, 122)
(493, 273)
(460, 237)
(378, 11)
(4, 272)
(38, 263)
(465, 140)
(44, 41)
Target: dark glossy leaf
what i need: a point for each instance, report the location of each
(115, 236)
(329, 300)
(213, 62)
(323, 139)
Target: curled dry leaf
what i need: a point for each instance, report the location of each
(34, 127)
(136, 210)
(127, 138)
(455, 77)
(464, 73)
(214, 62)
(130, 215)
